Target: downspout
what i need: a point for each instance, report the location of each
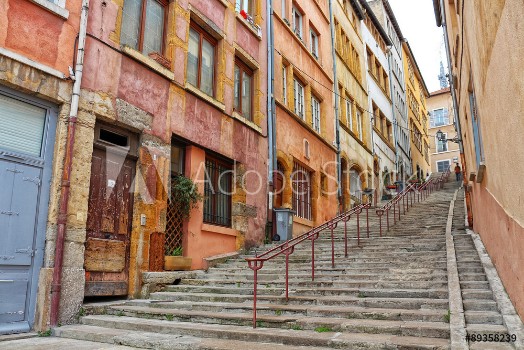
(66, 172)
(451, 85)
(271, 112)
(337, 106)
(393, 114)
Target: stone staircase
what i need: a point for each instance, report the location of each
(389, 293)
(480, 309)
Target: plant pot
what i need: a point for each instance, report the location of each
(177, 263)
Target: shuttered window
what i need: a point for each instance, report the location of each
(21, 126)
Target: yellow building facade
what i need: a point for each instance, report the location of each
(416, 95)
(355, 135)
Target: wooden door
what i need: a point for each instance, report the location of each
(109, 223)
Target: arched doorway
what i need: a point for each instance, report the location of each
(355, 184)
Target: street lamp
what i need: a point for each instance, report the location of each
(442, 138)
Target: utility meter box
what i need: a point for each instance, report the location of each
(284, 226)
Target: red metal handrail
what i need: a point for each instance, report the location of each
(287, 248)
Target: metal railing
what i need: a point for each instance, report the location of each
(287, 248)
(413, 193)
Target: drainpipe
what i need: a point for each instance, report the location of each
(66, 172)
(451, 84)
(337, 106)
(271, 109)
(393, 114)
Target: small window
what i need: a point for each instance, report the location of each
(217, 192)
(143, 25)
(113, 137)
(443, 165)
(314, 43)
(201, 60)
(359, 124)
(298, 90)
(442, 146)
(297, 22)
(315, 114)
(243, 90)
(246, 6)
(349, 113)
(284, 84)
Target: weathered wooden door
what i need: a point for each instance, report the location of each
(109, 222)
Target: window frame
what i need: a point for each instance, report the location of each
(284, 84)
(315, 119)
(244, 69)
(214, 196)
(301, 113)
(141, 27)
(444, 143)
(294, 12)
(349, 113)
(360, 129)
(314, 38)
(443, 161)
(250, 7)
(214, 42)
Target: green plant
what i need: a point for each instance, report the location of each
(120, 313)
(361, 295)
(169, 317)
(323, 329)
(178, 251)
(447, 317)
(45, 333)
(260, 324)
(81, 312)
(296, 327)
(278, 312)
(238, 284)
(184, 194)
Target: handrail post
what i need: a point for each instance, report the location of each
(399, 211)
(287, 277)
(332, 248)
(367, 219)
(313, 238)
(387, 217)
(346, 237)
(394, 214)
(358, 228)
(255, 265)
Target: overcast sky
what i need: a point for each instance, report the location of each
(417, 22)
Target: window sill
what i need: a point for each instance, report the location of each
(53, 8)
(257, 33)
(248, 123)
(149, 62)
(211, 100)
(220, 230)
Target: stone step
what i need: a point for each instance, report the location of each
(316, 284)
(362, 292)
(490, 346)
(474, 285)
(403, 328)
(339, 269)
(323, 338)
(480, 305)
(389, 303)
(486, 329)
(151, 340)
(354, 312)
(483, 317)
(472, 277)
(477, 294)
(470, 269)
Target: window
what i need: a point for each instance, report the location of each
(315, 114)
(217, 192)
(439, 117)
(298, 92)
(297, 22)
(355, 183)
(284, 84)
(314, 43)
(443, 165)
(349, 114)
(200, 60)
(477, 136)
(359, 124)
(245, 5)
(301, 185)
(389, 131)
(143, 23)
(243, 90)
(284, 11)
(442, 146)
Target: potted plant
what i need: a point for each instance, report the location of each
(185, 195)
(176, 262)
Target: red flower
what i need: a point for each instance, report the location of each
(243, 14)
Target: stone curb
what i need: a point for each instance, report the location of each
(510, 317)
(457, 322)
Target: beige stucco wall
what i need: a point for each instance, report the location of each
(491, 66)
